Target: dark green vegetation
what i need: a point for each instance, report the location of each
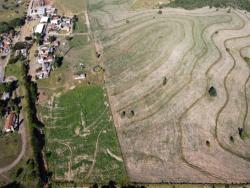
(11, 103)
(191, 4)
(12, 24)
(30, 173)
(212, 92)
(79, 134)
(247, 59)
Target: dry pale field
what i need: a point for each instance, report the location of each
(175, 131)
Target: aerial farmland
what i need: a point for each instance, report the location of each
(125, 93)
(178, 84)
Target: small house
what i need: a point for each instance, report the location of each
(10, 122)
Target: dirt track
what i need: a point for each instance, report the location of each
(178, 132)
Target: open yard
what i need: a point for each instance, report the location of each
(81, 143)
(10, 147)
(79, 57)
(178, 84)
(73, 7)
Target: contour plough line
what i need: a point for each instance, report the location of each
(180, 119)
(135, 70)
(161, 106)
(224, 105)
(245, 91)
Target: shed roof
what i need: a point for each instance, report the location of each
(39, 28)
(44, 19)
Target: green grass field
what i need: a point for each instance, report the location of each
(79, 132)
(10, 147)
(13, 70)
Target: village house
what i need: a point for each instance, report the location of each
(58, 23)
(45, 58)
(23, 52)
(10, 122)
(5, 43)
(51, 11)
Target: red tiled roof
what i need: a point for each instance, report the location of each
(9, 121)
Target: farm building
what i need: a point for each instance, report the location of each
(40, 28)
(44, 19)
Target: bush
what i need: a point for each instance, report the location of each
(52, 39)
(28, 38)
(13, 60)
(57, 63)
(123, 114)
(69, 38)
(212, 92)
(5, 27)
(20, 45)
(164, 81)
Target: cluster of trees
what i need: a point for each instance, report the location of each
(21, 45)
(33, 171)
(74, 19)
(7, 87)
(37, 137)
(8, 104)
(18, 46)
(191, 4)
(57, 62)
(6, 27)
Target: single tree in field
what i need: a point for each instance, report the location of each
(212, 92)
(164, 80)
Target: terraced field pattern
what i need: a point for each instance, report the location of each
(179, 89)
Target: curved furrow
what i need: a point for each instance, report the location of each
(196, 102)
(214, 175)
(221, 109)
(181, 89)
(152, 91)
(190, 107)
(246, 113)
(181, 146)
(245, 93)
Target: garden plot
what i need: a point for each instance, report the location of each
(178, 84)
(81, 143)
